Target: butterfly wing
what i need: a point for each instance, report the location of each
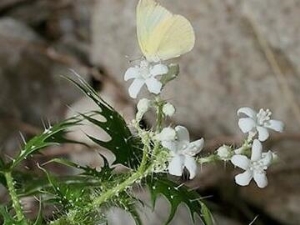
(149, 16)
(161, 34)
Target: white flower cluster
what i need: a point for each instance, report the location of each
(249, 157)
(256, 125)
(177, 141)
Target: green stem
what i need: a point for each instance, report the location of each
(14, 197)
(144, 158)
(159, 114)
(107, 195)
(208, 159)
(119, 188)
(139, 174)
(156, 148)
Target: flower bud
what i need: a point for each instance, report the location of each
(168, 109)
(143, 105)
(224, 152)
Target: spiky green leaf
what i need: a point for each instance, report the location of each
(105, 174)
(177, 194)
(206, 215)
(69, 195)
(122, 143)
(51, 136)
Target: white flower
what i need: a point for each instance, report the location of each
(181, 149)
(224, 152)
(145, 74)
(255, 167)
(168, 109)
(258, 123)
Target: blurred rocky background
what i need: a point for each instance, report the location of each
(247, 53)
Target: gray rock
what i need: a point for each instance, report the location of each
(54, 19)
(33, 12)
(31, 87)
(6, 4)
(13, 29)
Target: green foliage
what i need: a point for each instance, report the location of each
(84, 197)
(177, 194)
(105, 174)
(72, 195)
(39, 218)
(126, 148)
(69, 194)
(7, 218)
(51, 136)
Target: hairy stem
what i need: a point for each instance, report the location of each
(119, 188)
(208, 159)
(15, 200)
(145, 156)
(159, 114)
(139, 174)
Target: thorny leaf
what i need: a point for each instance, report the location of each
(177, 194)
(122, 143)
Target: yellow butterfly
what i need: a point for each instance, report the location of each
(161, 34)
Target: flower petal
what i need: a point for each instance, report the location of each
(243, 179)
(241, 161)
(159, 69)
(263, 133)
(176, 165)
(135, 87)
(167, 134)
(194, 147)
(153, 85)
(191, 166)
(256, 150)
(247, 111)
(260, 179)
(267, 158)
(275, 125)
(182, 134)
(132, 72)
(246, 124)
(171, 145)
